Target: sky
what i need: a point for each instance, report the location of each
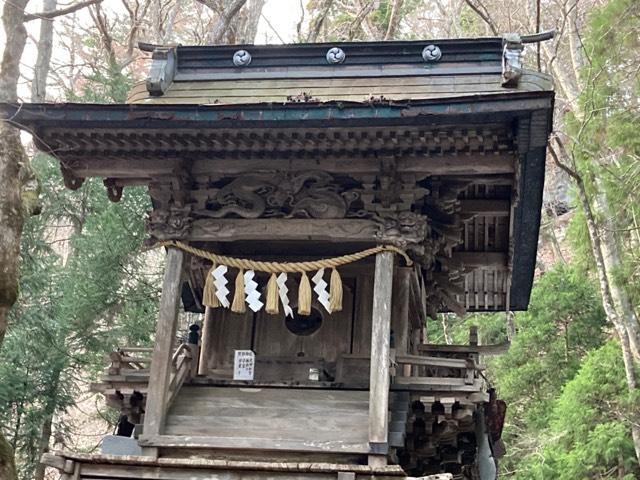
(282, 15)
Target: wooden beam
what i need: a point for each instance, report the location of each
(473, 260)
(233, 229)
(248, 443)
(477, 206)
(433, 361)
(379, 371)
(128, 166)
(122, 167)
(438, 383)
(400, 312)
(206, 343)
(477, 349)
(416, 300)
(162, 352)
(210, 465)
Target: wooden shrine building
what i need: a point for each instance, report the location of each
(266, 165)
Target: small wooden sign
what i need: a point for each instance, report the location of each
(244, 365)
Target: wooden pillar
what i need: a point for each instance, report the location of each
(379, 373)
(163, 350)
(400, 309)
(206, 343)
(400, 314)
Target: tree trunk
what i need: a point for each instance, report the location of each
(394, 20)
(45, 47)
(43, 447)
(246, 33)
(220, 29)
(444, 319)
(609, 304)
(316, 22)
(167, 36)
(12, 159)
(611, 259)
(511, 325)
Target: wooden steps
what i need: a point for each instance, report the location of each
(267, 419)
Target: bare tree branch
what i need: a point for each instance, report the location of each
(224, 22)
(57, 13)
(43, 62)
(394, 20)
(482, 12)
(317, 22)
(271, 27)
(556, 159)
(357, 21)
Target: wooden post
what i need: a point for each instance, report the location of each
(205, 341)
(400, 314)
(163, 350)
(379, 373)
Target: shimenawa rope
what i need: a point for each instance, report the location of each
(211, 297)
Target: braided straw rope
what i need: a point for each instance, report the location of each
(286, 267)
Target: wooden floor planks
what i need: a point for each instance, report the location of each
(263, 418)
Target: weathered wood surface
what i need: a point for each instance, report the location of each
(255, 443)
(400, 309)
(273, 338)
(467, 349)
(268, 336)
(231, 230)
(206, 340)
(356, 84)
(266, 419)
(433, 361)
(226, 331)
(380, 346)
(184, 364)
(162, 353)
(445, 164)
(361, 344)
(163, 468)
(439, 382)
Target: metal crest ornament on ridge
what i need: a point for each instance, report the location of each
(431, 53)
(335, 55)
(241, 58)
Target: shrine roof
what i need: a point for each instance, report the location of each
(363, 72)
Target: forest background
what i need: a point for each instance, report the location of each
(85, 286)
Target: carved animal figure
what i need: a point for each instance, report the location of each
(404, 228)
(312, 194)
(242, 197)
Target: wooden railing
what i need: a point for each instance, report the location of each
(184, 365)
(433, 372)
(130, 359)
(133, 362)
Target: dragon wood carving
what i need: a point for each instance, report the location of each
(313, 194)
